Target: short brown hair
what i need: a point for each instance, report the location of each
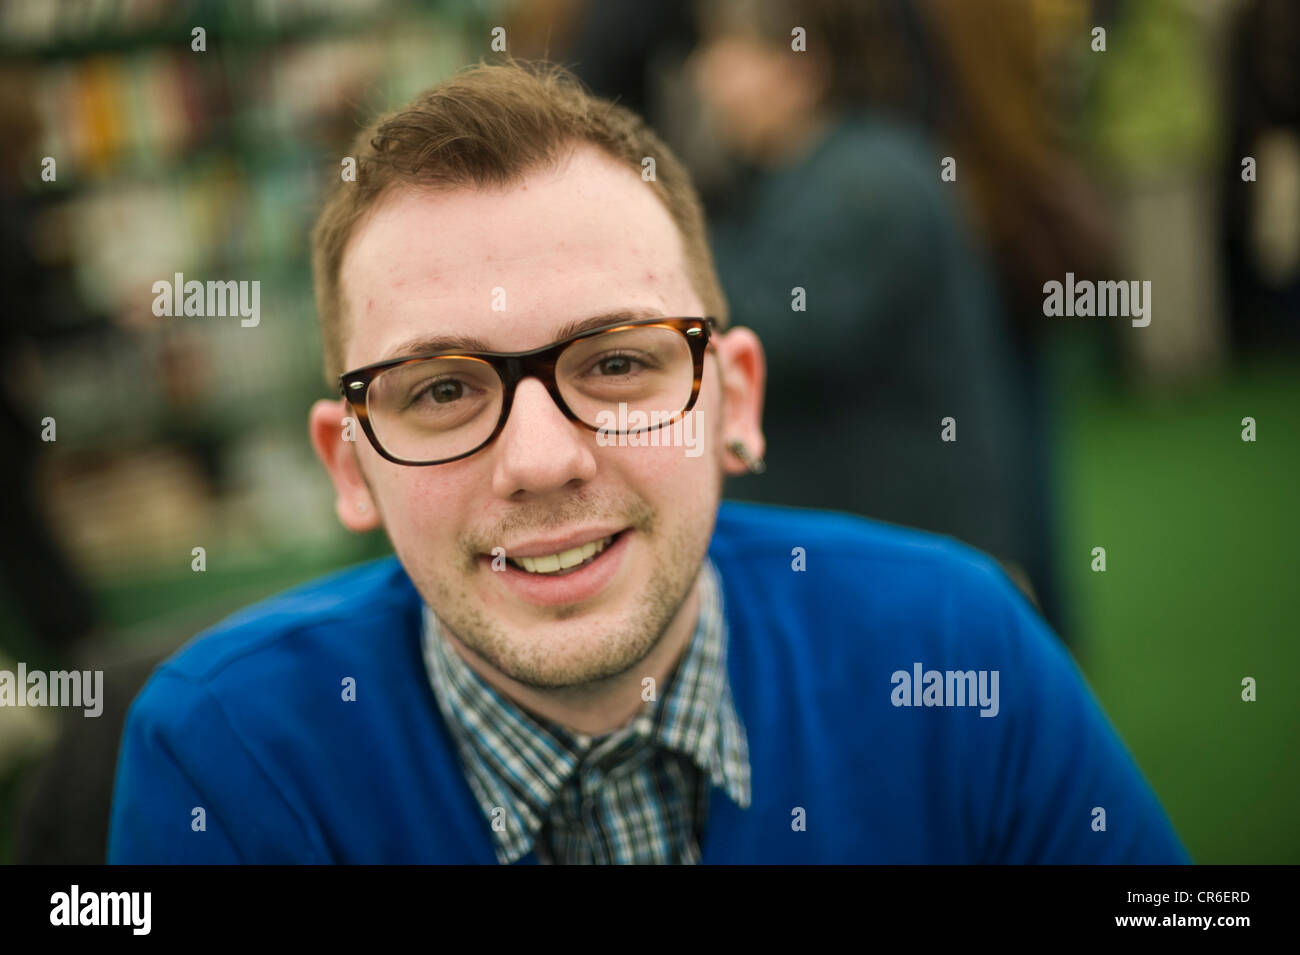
(489, 125)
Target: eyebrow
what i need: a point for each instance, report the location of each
(429, 344)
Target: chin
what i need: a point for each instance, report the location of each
(554, 656)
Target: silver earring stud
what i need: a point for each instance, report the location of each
(755, 465)
(361, 506)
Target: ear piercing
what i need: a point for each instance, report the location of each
(755, 465)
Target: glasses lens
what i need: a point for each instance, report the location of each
(434, 409)
(632, 379)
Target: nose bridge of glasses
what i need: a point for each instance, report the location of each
(540, 367)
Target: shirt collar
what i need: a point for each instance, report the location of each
(516, 763)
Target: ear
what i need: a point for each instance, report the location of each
(334, 434)
(743, 375)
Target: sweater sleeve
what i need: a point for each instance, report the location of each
(1068, 789)
(189, 792)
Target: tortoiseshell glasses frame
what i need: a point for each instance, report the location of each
(513, 367)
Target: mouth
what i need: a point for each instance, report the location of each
(566, 571)
(563, 562)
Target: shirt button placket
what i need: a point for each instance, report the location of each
(591, 783)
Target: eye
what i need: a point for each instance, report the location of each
(621, 364)
(449, 389)
(440, 393)
(615, 365)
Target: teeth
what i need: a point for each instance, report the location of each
(563, 560)
(571, 558)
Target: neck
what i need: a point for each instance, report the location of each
(601, 706)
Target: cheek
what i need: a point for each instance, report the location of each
(422, 511)
(681, 480)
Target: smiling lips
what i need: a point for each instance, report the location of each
(563, 571)
(563, 560)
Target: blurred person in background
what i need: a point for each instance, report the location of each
(928, 287)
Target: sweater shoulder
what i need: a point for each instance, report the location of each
(836, 580)
(332, 609)
(758, 534)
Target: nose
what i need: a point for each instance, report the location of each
(540, 451)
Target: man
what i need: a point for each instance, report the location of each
(575, 655)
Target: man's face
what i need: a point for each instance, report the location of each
(589, 239)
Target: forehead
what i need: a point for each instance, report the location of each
(512, 266)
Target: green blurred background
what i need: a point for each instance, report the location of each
(1200, 591)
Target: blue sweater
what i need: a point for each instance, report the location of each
(248, 721)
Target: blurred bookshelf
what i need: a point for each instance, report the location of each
(175, 432)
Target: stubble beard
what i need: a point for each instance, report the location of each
(592, 657)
